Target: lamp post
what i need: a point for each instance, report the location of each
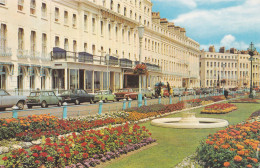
(251, 51)
(107, 61)
(223, 66)
(141, 34)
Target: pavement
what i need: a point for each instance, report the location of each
(86, 109)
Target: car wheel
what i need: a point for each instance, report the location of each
(29, 106)
(59, 103)
(117, 99)
(105, 101)
(44, 104)
(77, 102)
(20, 105)
(91, 101)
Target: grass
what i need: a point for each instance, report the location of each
(176, 144)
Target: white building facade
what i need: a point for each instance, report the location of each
(53, 44)
(232, 66)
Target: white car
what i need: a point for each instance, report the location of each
(6, 100)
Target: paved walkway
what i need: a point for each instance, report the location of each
(86, 109)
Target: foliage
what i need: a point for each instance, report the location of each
(236, 146)
(77, 148)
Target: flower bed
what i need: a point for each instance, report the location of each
(100, 145)
(217, 98)
(245, 100)
(221, 108)
(33, 127)
(207, 102)
(236, 146)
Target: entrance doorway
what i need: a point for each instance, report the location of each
(131, 81)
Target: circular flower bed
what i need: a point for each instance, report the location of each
(221, 108)
(236, 146)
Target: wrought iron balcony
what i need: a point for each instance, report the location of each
(5, 52)
(22, 53)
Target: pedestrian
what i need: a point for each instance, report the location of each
(160, 88)
(168, 87)
(110, 90)
(226, 93)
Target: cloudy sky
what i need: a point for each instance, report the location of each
(229, 23)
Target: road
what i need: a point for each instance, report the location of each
(85, 109)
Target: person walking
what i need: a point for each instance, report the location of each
(168, 87)
(226, 93)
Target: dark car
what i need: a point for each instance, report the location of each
(78, 96)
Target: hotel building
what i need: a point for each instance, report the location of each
(231, 66)
(54, 44)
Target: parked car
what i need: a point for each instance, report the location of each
(126, 94)
(177, 92)
(78, 96)
(189, 91)
(198, 91)
(43, 99)
(105, 96)
(6, 100)
(147, 93)
(165, 92)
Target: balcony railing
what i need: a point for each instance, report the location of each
(84, 57)
(22, 53)
(34, 55)
(6, 52)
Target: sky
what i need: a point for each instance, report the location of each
(229, 23)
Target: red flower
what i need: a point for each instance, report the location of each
(35, 154)
(68, 155)
(85, 155)
(92, 146)
(50, 159)
(37, 161)
(4, 158)
(121, 143)
(129, 140)
(48, 140)
(43, 154)
(14, 156)
(67, 149)
(76, 152)
(84, 144)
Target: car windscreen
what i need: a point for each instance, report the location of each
(123, 90)
(3, 93)
(33, 94)
(65, 92)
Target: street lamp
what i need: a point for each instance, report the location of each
(141, 34)
(251, 51)
(107, 61)
(223, 66)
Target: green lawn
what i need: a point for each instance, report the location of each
(175, 144)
